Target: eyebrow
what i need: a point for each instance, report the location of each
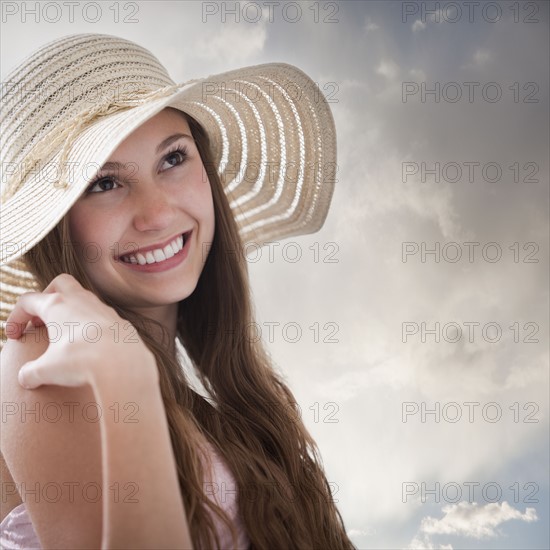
(161, 146)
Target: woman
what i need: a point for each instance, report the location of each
(136, 243)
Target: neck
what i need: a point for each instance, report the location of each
(167, 316)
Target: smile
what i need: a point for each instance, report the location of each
(157, 255)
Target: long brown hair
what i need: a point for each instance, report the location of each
(284, 497)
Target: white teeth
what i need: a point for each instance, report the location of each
(157, 255)
(168, 252)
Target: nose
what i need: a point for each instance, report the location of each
(154, 209)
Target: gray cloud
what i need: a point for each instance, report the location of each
(371, 291)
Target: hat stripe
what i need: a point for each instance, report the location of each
(141, 68)
(256, 188)
(234, 183)
(17, 273)
(274, 200)
(272, 128)
(225, 141)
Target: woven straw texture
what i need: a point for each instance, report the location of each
(68, 106)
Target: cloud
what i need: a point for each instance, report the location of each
(233, 43)
(370, 372)
(388, 68)
(471, 520)
(481, 56)
(426, 544)
(467, 520)
(370, 25)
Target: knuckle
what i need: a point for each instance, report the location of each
(33, 375)
(24, 296)
(65, 277)
(55, 298)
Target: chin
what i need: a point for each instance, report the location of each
(173, 297)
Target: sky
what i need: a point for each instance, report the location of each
(413, 330)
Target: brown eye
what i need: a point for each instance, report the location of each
(102, 183)
(176, 157)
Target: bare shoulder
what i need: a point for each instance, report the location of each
(50, 441)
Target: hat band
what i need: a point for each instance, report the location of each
(64, 135)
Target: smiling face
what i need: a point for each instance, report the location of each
(158, 192)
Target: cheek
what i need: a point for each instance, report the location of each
(198, 197)
(89, 235)
(72, 216)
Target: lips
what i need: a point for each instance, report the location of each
(157, 252)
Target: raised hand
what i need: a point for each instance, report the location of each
(84, 335)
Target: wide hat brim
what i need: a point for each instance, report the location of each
(273, 141)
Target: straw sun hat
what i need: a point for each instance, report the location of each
(68, 106)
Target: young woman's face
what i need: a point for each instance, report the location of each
(158, 192)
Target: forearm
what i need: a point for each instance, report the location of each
(136, 450)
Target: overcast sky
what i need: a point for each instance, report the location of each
(442, 125)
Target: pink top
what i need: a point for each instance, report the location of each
(17, 532)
